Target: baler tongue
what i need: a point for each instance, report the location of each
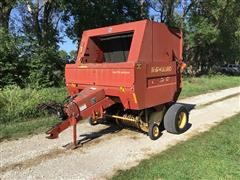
(89, 102)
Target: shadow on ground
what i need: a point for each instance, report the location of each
(88, 137)
(94, 135)
(189, 107)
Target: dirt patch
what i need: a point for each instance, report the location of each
(34, 161)
(134, 137)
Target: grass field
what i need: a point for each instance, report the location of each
(194, 86)
(28, 127)
(212, 155)
(19, 115)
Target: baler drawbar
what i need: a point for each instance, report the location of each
(89, 102)
(130, 73)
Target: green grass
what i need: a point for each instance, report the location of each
(19, 115)
(204, 84)
(18, 107)
(30, 127)
(212, 155)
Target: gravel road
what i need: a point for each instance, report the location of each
(106, 149)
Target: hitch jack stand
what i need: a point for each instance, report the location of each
(74, 124)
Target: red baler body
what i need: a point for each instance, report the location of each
(146, 78)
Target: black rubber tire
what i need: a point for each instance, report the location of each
(151, 133)
(171, 119)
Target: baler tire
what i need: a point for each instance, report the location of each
(154, 131)
(176, 119)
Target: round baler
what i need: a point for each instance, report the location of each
(130, 73)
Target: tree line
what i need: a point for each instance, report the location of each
(31, 31)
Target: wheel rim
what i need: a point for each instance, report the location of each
(182, 120)
(155, 131)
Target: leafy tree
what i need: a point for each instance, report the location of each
(63, 55)
(73, 56)
(171, 12)
(46, 68)
(80, 15)
(6, 7)
(210, 34)
(40, 22)
(12, 66)
(229, 27)
(40, 29)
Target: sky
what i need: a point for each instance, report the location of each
(68, 45)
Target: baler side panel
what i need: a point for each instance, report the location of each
(153, 86)
(145, 57)
(145, 53)
(157, 83)
(101, 77)
(162, 73)
(140, 84)
(166, 44)
(161, 83)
